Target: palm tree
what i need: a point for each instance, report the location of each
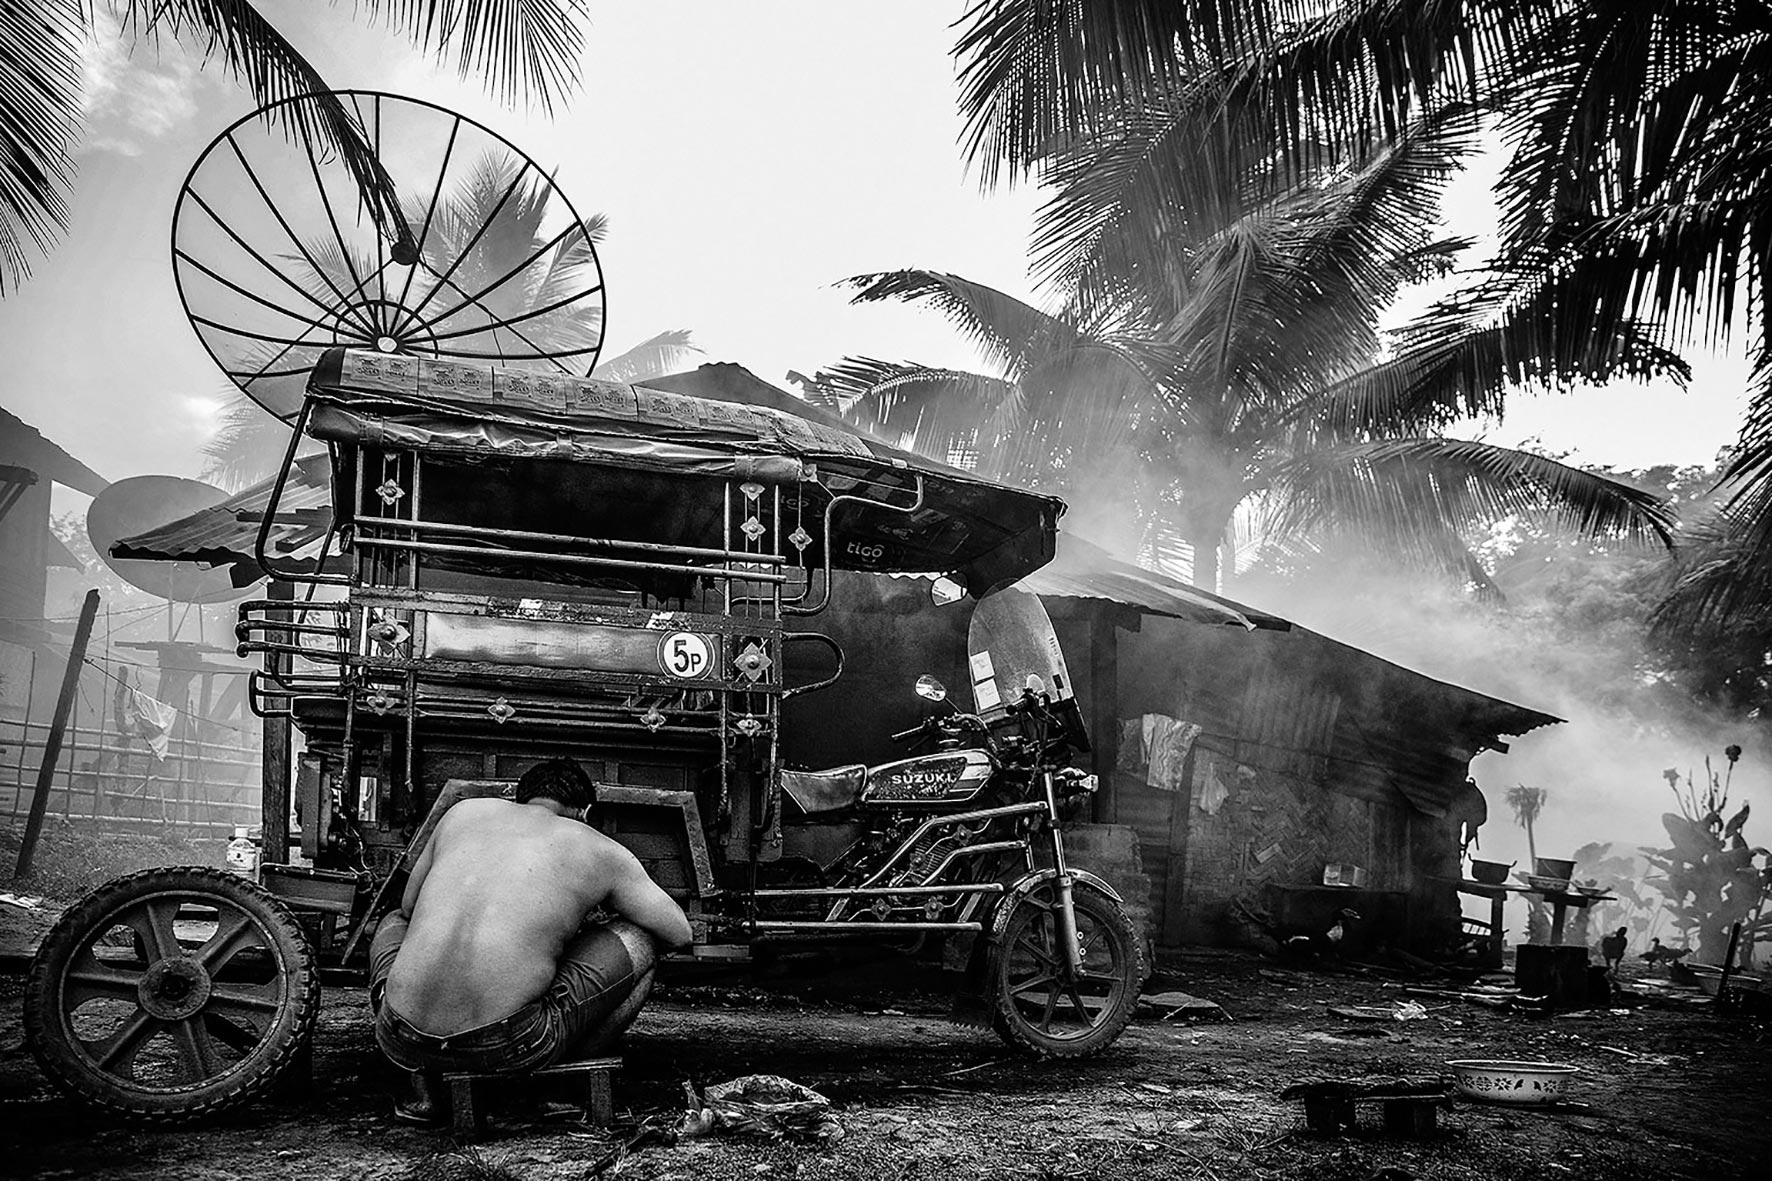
(1240, 369)
(1639, 184)
(519, 49)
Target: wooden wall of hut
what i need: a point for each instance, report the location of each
(1307, 753)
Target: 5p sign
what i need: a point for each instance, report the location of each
(686, 655)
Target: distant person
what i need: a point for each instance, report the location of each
(490, 965)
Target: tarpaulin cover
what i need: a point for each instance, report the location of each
(985, 533)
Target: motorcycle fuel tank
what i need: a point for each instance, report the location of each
(947, 777)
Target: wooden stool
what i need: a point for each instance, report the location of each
(468, 1115)
(1408, 1105)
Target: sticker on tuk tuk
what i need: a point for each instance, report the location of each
(686, 655)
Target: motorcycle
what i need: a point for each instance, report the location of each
(967, 839)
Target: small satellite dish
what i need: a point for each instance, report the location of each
(140, 503)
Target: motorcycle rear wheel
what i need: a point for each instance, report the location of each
(1036, 1005)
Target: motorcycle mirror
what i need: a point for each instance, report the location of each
(934, 690)
(945, 590)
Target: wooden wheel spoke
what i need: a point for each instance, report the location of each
(225, 999)
(120, 1049)
(152, 921)
(234, 932)
(90, 978)
(239, 1038)
(195, 1049)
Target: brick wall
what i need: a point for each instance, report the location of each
(1110, 852)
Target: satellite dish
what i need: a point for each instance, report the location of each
(141, 503)
(278, 259)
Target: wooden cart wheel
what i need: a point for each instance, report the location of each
(171, 994)
(1037, 1004)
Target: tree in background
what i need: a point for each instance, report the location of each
(1526, 803)
(1236, 371)
(529, 50)
(1709, 876)
(1639, 182)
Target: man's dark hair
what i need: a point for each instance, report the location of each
(557, 779)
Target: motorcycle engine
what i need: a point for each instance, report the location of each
(927, 855)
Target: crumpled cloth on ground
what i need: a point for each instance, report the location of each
(762, 1103)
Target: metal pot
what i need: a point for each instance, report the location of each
(1552, 867)
(1491, 873)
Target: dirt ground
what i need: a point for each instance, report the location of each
(1663, 1093)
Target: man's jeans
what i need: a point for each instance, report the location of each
(604, 976)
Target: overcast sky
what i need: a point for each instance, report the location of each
(748, 156)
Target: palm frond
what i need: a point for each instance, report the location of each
(1468, 352)
(251, 49)
(519, 48)
(653, 357)
(936, 411)
(1413, 491)
(1009, 332)
(248, 446)
(1033, 73)
(41, 84)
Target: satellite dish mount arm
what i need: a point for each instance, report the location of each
(261, 546)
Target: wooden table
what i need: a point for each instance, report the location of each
(1561, 903)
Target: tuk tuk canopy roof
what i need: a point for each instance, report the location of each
(985, 533)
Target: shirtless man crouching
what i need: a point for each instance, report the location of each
(488, 966)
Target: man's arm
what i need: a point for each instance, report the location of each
(415, 880)
(637, 898)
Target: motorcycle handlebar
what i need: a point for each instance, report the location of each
(953, 723)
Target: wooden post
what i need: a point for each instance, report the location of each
(52, 744)
(1104, 711)
(274, 760)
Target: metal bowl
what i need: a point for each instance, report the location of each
(1553, 867)
(1492, 873)
(1710, 978)
(1501, 1081)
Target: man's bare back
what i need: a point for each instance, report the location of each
(499, 890)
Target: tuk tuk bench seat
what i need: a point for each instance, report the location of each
(467, 1098)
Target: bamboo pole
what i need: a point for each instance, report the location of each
(52, 746)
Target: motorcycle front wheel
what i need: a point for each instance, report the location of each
(1037, 1003)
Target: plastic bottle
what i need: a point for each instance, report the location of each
(243, 854)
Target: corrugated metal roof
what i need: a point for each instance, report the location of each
(1080, 570)
(227, 533)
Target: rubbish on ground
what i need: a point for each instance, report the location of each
(1168, 1005)
(970, 1069)
(23, 901)
(763, 1103)
(1639, 1059)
